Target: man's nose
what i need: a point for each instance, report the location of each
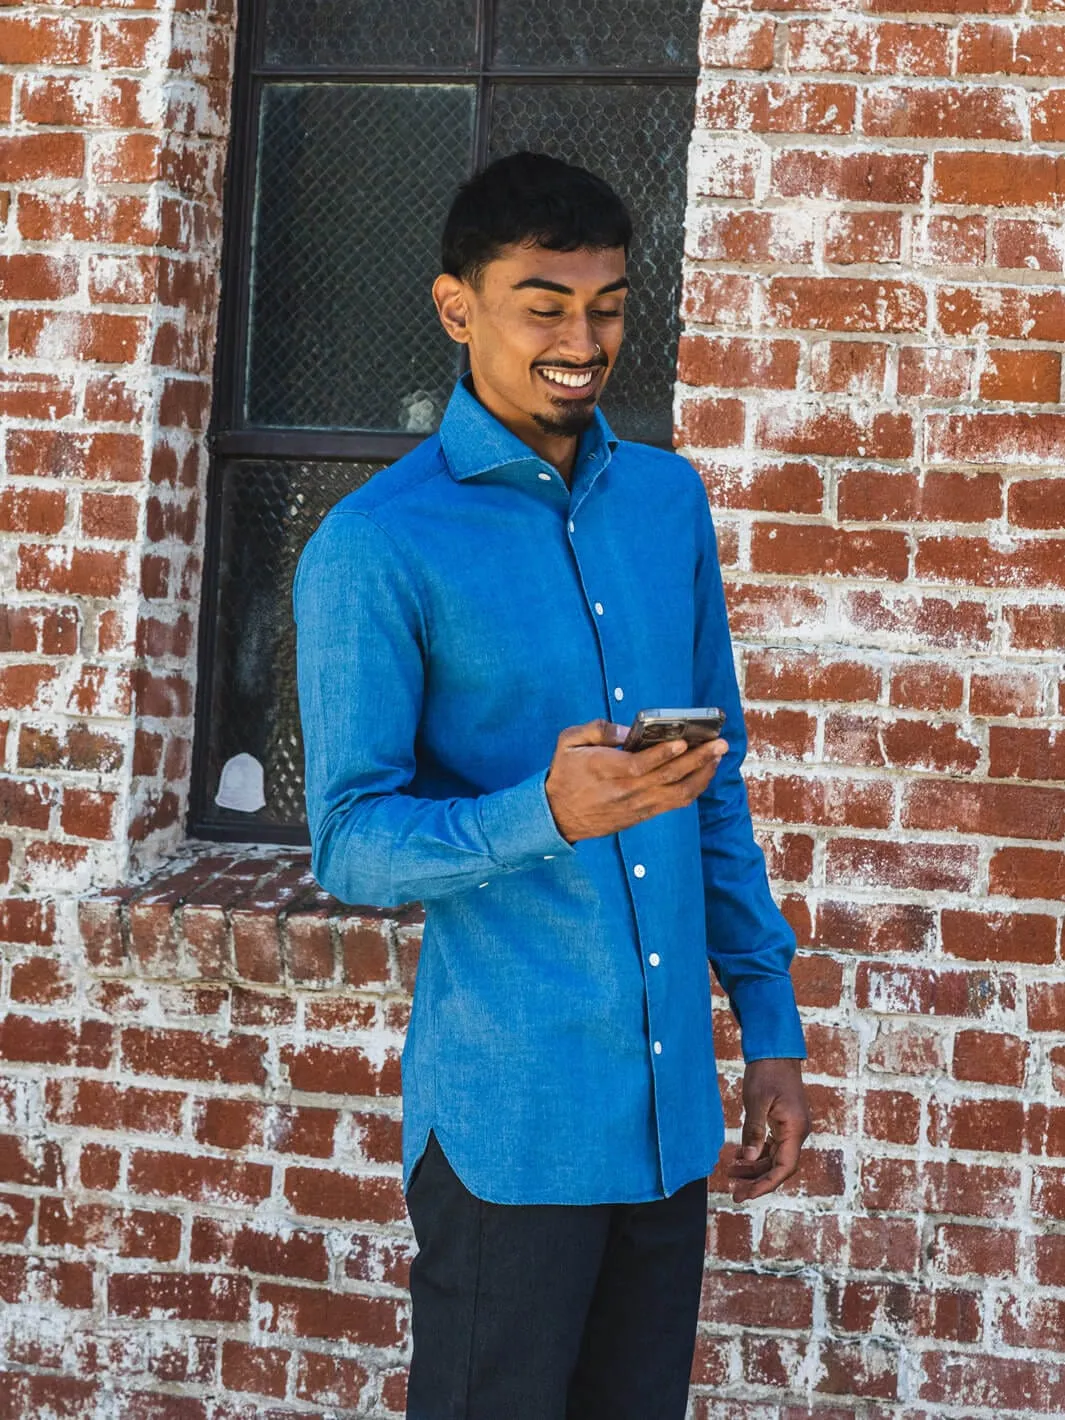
(577, 343)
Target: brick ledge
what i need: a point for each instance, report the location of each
(246, 914)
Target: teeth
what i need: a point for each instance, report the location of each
(570, 378)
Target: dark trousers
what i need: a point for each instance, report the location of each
(547, 1312)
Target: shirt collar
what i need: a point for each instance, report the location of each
(474, 441)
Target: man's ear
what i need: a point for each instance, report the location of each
(452, 306)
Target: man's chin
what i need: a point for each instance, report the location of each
(566, 422)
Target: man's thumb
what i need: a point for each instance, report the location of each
(752, 1137)
(595, 732)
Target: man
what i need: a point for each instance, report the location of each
(469, 623)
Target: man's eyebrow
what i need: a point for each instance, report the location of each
(540, 283)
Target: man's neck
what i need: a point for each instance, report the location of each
(559, 450)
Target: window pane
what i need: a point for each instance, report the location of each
(339, 33)
(636, 137)
(269, 510)
(354, 184)
(613, 34)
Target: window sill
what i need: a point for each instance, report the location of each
(248, 915)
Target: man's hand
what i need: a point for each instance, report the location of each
(594, 791)
(776, 1120)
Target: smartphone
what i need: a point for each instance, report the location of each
(697, 726)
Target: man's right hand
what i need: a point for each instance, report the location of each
(594, 790)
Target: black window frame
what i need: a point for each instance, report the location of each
(228, 435)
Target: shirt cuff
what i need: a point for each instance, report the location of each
(769, 1019)
(519, 826)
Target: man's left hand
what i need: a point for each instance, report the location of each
(776, 1121)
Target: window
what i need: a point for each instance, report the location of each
(353, 123)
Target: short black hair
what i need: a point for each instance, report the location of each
(531, 199)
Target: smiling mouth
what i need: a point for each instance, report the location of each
(577, 381)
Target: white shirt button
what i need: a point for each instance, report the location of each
(658, 1047)
(482, 884)
(619, 694)
(599, 608)
(570, 525)
(640, 871)
(545, 477)
(654, 959)
(548, 857)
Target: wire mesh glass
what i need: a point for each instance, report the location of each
(608, 34)
(636, 137)
(354, 184)
(269, 510)
(357, 33)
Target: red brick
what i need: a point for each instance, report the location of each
(992, 1058)
(339, 1070)
(711, 423)
(735, 43)
(201, 1296)
(834, 432)
(800, 675)
(287, 1253)
(121, 1232)
(86, 814)
(893, 178)
(971, 111)
(975, 561)
(895, 989)
(756, 1299)
(34, 1163)
(718, 234)
(757, 609)
(892, 1116)
(324, 1193)
(331, 1380)
(16, 1218)
(1002, 312)
(1028, 872)
(44, 1282)
(855, 367)
(844, 304)
(915, 49)
(100, 1104)
(991, 936)
(36, 156)
(108, 339)
(1035, 628)
(1002, 810)
(926, 685)
(190, 1055)
(223, 1182)
(949, 239)
(56, 1042)
(1022, 753)
(830, 44)
(874, 927)
(737, 364)
(781, 734)
(65, 571)
(262, 1370)
(924, 867)
(833, 801)
(775, 106)
(1007, 693)
(934, 373)
(27, 921)
(718, 298)
(1019, 376)
(1037, 503)
(799, 549)
(330, 1316)
(985, 1379)
(973, 1123)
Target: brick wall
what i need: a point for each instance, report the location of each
(112, 143)
(200, 1216)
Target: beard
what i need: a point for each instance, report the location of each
(573, 419)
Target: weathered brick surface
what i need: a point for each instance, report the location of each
(200, 1212)
(110, 189)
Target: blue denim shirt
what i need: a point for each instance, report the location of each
(454, 615)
